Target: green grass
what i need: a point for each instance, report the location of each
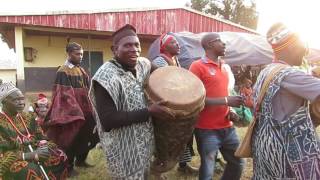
(96, 158)
(99, 171)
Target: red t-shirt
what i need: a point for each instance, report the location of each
(215, 80)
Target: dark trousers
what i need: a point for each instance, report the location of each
(78, 158)
(82, 144)
(209, 143)
(187, 154)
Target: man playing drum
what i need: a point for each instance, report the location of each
(122, 113)
(214, 131)
(169, 49)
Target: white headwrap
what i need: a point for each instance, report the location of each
(6, 89)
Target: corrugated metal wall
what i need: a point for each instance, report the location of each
(152, 22)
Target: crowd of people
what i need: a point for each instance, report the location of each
(111, 108)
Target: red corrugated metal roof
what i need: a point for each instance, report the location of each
(152, 22)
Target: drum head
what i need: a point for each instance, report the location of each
(182, 89)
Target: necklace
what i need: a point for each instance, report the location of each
(24, 137)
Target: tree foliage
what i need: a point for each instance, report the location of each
(242, 12)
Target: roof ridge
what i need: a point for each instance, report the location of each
(67, 12)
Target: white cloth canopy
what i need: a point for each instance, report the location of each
(241, 49)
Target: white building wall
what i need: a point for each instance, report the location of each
(8, 75)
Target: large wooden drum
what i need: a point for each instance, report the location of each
(185, 95)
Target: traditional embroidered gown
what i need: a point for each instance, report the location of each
(70, 114)
(11, 146)
(286, 149)
(128, 149)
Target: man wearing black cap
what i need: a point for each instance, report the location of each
(122, 112)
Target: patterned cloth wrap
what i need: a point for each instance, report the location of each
(11, 168)
(287, 149)
(128, 149)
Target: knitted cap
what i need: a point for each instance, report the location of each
(6, 89)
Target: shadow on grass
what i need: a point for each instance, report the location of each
(99, 171)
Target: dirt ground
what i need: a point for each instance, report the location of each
(99, 172)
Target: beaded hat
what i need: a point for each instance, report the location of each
(6, 89)
(279, 37)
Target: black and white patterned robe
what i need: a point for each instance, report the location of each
(128, 149)
(287, 149)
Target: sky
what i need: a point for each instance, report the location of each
(300, 16)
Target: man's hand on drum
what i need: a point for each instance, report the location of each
(158, 110)
(235, 101)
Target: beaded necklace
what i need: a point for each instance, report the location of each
(23, 136)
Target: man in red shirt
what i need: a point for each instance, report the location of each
(214, 131)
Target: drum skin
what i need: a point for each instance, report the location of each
(185, 96)
(183, 91)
